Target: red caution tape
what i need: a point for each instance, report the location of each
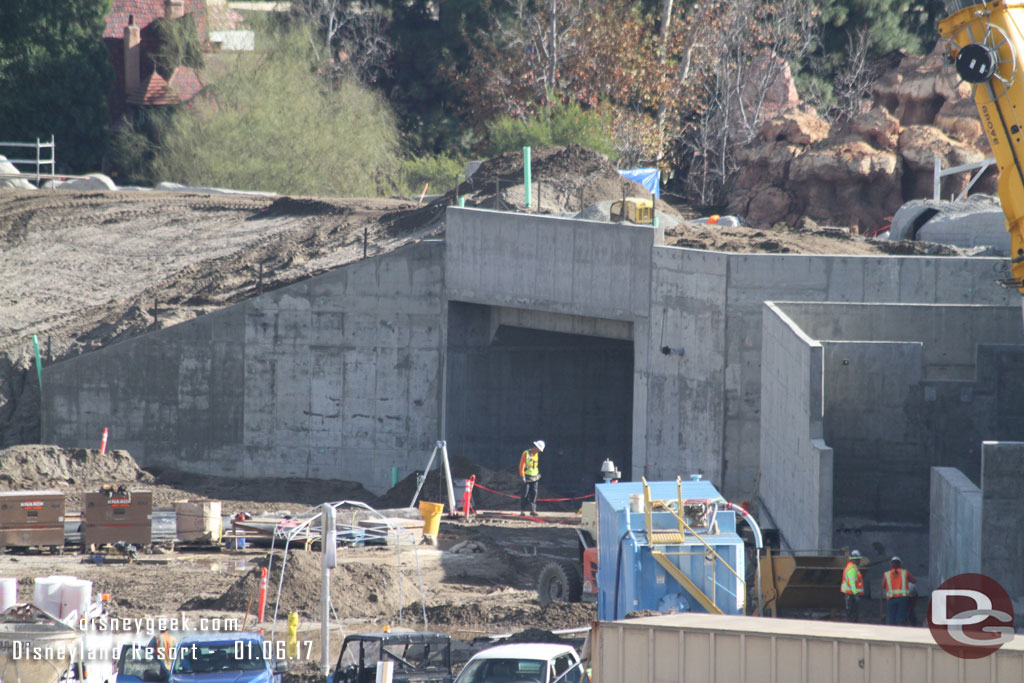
(547, 500)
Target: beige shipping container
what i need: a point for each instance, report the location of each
(198, 521)
(692, 648)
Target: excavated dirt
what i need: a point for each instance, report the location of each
(76, 471)
(369, 589)
(45, 467)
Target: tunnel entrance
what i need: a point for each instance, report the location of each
(509, 385)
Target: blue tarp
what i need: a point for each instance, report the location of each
(648, 177)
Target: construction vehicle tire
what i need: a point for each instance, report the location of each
(559, 581)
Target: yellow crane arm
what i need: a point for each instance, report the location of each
(985, 42)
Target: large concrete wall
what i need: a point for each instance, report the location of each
(954, 530)
(696, 407)
(336, 377)
(796, 464)
(694, 317)
(1002, 516)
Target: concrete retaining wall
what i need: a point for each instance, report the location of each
(954, 536)
(886, 421)
(336, 377)
(796, 463)
(1002, 517)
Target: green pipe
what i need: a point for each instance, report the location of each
(39, 361)
(394, 477)
(462, 202)
(526, 174)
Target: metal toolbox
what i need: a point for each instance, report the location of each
(31, 518)
(110, 516)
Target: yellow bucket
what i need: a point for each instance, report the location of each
(431, 514)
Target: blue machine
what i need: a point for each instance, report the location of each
(670, 549)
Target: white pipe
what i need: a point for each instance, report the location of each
(758, 542)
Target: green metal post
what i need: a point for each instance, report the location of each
(394, 477)
(526, 174)
(39, 361)
(462, 202)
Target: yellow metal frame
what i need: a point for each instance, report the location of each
(679, 537)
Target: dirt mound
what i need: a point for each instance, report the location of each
(556, 615)
(564, 181)
(357, 589)
(310, 492)
(45, 467)
(535, 635)
(300, 206)
(808, 238)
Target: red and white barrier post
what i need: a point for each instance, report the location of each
(103, 444)
(263, 593)
(467, 495)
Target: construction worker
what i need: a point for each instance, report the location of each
(896, 589)
(529, 472)
(165, 647)
(852, 586)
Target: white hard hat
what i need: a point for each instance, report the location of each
(539, 444)
(896, 558)
(854, 553)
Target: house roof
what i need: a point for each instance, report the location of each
(153, 91)
(145, 12)
(183, 85)
(222, 18)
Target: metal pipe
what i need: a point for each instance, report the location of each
(759, 544)
(526, 174)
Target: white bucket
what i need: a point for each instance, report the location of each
(636, 502)
(8, 592)
(46, 593)
(75, 596)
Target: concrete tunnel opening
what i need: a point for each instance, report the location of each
(508, 385)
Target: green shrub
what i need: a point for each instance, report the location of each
(440, 171)
(560, 124)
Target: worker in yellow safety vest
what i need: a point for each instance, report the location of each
(529, 472)
(852, 586)
(896, 584)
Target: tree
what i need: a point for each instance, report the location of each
(350, 37)
(54, 77)
(178, 44)
(745, 49)
(871, 28)
(271, 123)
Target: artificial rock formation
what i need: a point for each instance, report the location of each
(858, 174)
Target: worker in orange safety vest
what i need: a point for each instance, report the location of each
(165, 647)
(896, 584)
(529, 472)
(852, 586)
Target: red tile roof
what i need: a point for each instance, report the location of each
(145, 12)
(223, 18)
(183, 85)
(153, 91)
